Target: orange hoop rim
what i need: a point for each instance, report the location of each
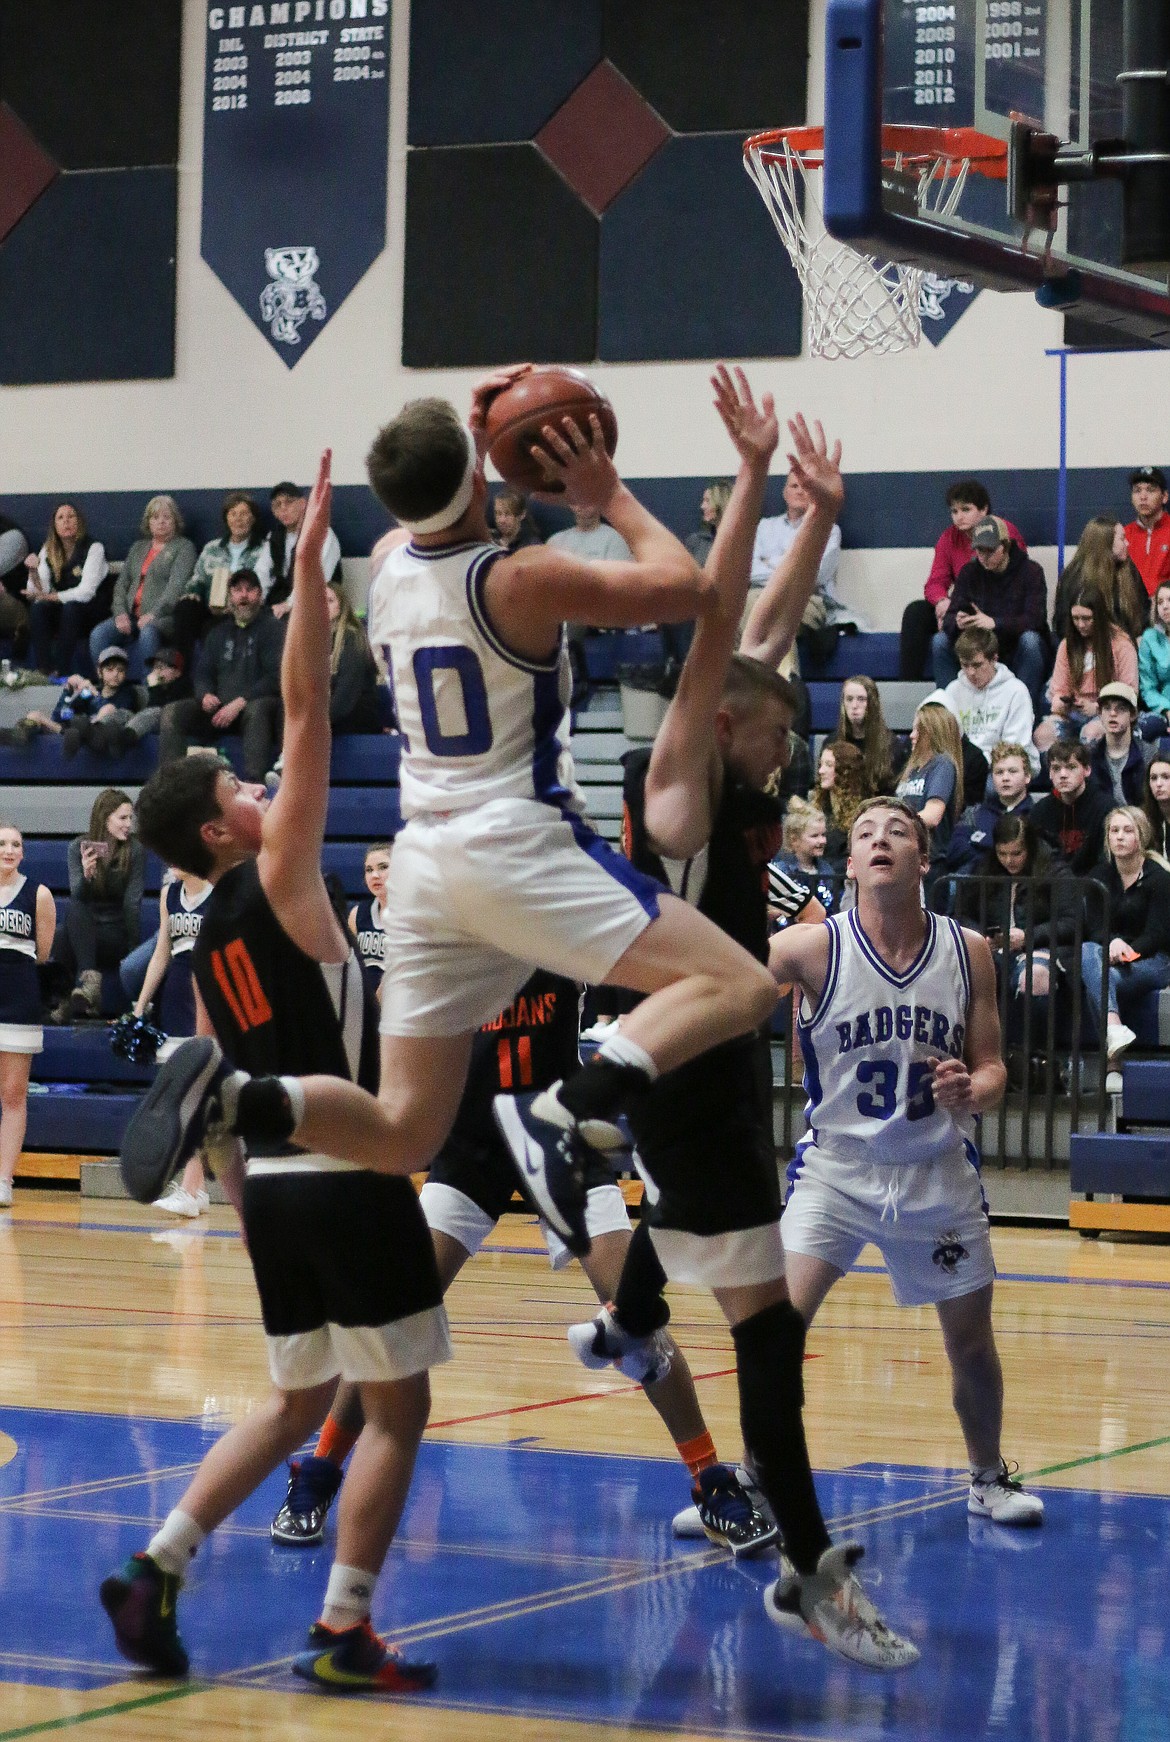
(903, 146)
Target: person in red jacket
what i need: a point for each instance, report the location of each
(1148, 537)
(969, 503)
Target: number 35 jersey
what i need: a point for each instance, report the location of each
(478, 721)
(869, 1045)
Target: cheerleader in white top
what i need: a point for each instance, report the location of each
(28, 919)
(169, 976)
(899, 1031)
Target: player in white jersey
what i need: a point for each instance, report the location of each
(495, 872)
(899, 1031)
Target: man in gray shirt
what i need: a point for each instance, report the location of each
(591, 539)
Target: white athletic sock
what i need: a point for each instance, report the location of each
(173, 1547)
(295, 1090)
(619, 1049)
(348, 1597)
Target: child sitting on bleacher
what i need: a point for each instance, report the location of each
(80, 706)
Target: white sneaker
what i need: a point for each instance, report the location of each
(995, 1494)
(5, 1193)
(1117, 1038)
(831, 1606)
(1113, 1083)
(602, 1343)
(177, 1202)
(687, 1525)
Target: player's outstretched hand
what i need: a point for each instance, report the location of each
(754, 429)
(577, 462)
(953, 1088)
(814, 466)
(482, 396)
(315, 525)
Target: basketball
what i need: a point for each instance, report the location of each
(517, 414)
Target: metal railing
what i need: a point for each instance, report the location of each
(1056, 1068)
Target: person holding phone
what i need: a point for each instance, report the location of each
(105, 893)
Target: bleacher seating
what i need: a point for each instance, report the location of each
(1132, 1165)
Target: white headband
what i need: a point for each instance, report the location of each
(458, 505)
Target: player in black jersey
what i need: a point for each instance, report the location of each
(698, 818)
(530, 1045)
(343, 1261)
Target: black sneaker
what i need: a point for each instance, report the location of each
(312, 1485)
(140, 1601)
(168, 1124)
(548, 1151)
(728, 1516)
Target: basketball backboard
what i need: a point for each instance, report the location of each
(1039, 75)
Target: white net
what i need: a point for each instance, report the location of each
(853, 304)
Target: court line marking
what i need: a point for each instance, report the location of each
(628, 1390)
(44, 1725)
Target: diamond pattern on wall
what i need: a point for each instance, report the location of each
(602, 137)
(28, 170)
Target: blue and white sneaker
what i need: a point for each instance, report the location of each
(168, 1125)
(549, 1154)
(312, 1486)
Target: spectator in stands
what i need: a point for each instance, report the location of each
(714, 500)
(932, 781)
(1120, 758)
(1102, 561)
(157, 568)
(824, 615)
(840, 792)
(591, 539)
(13, 578)
(167, 681)
(237, 683)
(515, 527)
(803, 853)
(1093, 655)
(1148, 536)
(353, 700)
(861, 723)
(105, 893)
(365, 917)
(26, 937)
(1011, 770)
(796, 780)
(79, 703)
(69, 590)
(1001, 589)
(969, 503)
(1154, 656)
(990, 704)
(1018, 901)
(1137, 949)
(1072, 818)
(242, 546)
(1156, 804)
(289, 502)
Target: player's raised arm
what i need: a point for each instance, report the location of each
(294, 827)
(775, 618)
(976, 1082)
(683, 780)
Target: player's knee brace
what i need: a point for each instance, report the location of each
(638, 1304)
(770, 1358)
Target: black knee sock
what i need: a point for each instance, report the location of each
(264, 1112)
(769, 1351)
(638, 1305)
(602, 1089)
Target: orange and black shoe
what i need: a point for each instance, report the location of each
(356, 1661)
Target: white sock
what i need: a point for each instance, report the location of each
(348, 1596)
(173, 1547)
(619, 1049)
(295, 1090)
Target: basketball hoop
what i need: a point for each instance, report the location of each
(853, 303)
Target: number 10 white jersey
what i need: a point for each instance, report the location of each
(867, 1050)
(479, 722)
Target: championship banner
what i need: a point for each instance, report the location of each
(295, 150)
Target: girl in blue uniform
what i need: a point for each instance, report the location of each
(168, 974)
(365, 919)
(28, 919)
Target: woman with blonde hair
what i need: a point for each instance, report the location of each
(69, 590)
(1102, 560)
(932, 781)
(860, 722)
(353, 679)
(840, 792)
(156, 571)
(1135, 954)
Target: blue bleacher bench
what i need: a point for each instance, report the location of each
(357, 757)
(1131, 1165)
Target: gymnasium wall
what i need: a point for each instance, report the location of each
(982, 401)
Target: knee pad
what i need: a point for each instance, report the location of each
(770, 1354)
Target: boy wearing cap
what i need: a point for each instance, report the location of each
(1121, 757)
(289, 502)
(968, 504)
(1001, 589)
(80, 705)
(1148, 537)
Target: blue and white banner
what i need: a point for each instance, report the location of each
(295, 157)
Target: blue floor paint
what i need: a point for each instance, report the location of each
(547, 1583)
